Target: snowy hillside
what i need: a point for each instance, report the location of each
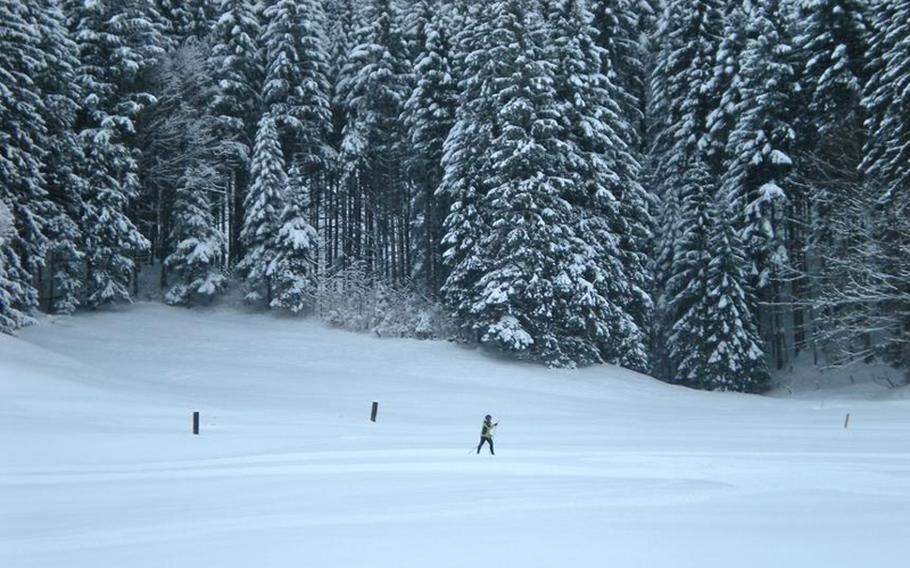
(599, 467)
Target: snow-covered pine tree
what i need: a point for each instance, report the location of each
(663, 259)
(428, 115)
(515, 279)
(62, 156)
(624, 31)
(376, 81)
(619, 25)
(293, 269)
(833, 42)
(885, 298)
(237, 69)
(180, 133)
(23, 136)
(295, 90)
(12, 316)
(603, 172)
(713, 343)
(264, 203)
(734, 349)
(688, 37)
(887, 152)
(195, 263)
(343, 19)
(237, 62)
(725, 81)
(687, 278)
(187, 18)
(519, 303)
(831, 46)
(758, 172)
(414, 17)
(465, 160)
(117, 42)
(467, 34)
(110, 239)
(7, 224)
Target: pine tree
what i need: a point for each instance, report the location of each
(428, 115)
(264, 203)
(187, 18)
(296, 90)
(623, 28)
(519, 303)
(518, 280)
(7, 223)
(293, 269)
(735, 353)
(62, 158)
(687, 285)
(619, 25)
(832, 46)
(12, 317)
(689, 37)
(237, 62)
(681, 101)
(885, 254)
(238, 71)
(199, 247)
(713, 342)
(466, 158)
(375, 81)
(23, 136)
(343, 20)
(725, 80)
(758, 171)
(117, 41)
(887, 152)
(604, 188)
(663, 261)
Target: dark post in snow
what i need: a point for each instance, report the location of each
(196, 423)
(374, 412)
(847, 420)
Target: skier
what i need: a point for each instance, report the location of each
(486, 433)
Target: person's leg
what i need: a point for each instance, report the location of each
(491, 447)
(480, 445)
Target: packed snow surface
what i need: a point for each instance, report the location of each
(599, 467)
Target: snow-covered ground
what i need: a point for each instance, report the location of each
(600, 467)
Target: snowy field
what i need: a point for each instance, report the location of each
(600, 467)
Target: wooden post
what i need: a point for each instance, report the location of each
(847, 420)
(196, 423)
(374, 412)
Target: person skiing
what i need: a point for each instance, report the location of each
(486, 433)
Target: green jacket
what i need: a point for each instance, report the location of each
(487, 431)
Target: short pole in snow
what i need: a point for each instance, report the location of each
(196, 423)
(374, 411)
(847, 420)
